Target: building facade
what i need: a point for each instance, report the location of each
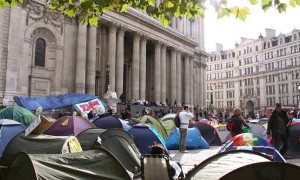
(43, 53)
(255, 74)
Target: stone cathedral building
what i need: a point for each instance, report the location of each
(43, 53)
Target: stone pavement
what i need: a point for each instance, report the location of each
(193, 157)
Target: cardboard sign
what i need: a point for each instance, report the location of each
(88, 106)
(38, 126)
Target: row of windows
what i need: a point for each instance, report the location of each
(248, 50)
(282, 40)
(270, 90)
(283, 100)
(283, 88)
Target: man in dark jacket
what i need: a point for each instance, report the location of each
(277, 128)
(238, 121)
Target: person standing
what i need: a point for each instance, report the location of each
(238, 122)
(277, 129)
(185, 115)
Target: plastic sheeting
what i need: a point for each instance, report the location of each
(52, 102)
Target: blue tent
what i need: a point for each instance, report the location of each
(194, 140)
(8, 130)
(144, 136)
(108, 122)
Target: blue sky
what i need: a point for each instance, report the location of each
(228, 30)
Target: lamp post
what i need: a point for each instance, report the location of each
(298, 114)
(107, 68)
(211, 96)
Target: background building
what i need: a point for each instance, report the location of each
(256, 73)
(43, 53)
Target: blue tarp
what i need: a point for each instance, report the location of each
(52, 102)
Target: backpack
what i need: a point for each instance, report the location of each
(177, 121)
(230, 124)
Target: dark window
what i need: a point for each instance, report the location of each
(40, 52)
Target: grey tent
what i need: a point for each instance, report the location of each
(220, 164)
(294, 141)
(257, 129)
(94, 164)
(265, 170)
(36, 144)
(88, 137)
(126, 152)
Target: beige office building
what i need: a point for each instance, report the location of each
(256, 73)
(43, 53)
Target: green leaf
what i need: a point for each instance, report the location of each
(124, 7)
(235, 10)
(94, 21)
(243, 13)
(282, 7)
(164, 20)
(152, 2)
(292, 3)
(298, 2)
(253, 2)
(223, 12)
(168, 4)
(266, 4)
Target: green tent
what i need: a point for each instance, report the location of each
(87, 138)
(18, 114)
(127, 152)
(151, 121)
(169, 125)
(37, 144)
(94, 164)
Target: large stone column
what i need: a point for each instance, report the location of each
(112, 56)
(143, 68)
(187, 79)
(81, 58)
(179, 82)
(91, 60)
(173, 76)
(135, 66)
(120, 61)
(191, 85)
(163, 74)
(157, 73)
(11, 80)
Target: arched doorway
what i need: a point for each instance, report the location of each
(249, 110)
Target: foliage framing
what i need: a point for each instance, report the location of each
(90, 10)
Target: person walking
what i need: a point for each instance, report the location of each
(238, 122)
(185, 115)
(277, 129)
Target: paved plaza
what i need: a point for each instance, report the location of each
(194, 157)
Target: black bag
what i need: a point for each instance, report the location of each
(177, 121)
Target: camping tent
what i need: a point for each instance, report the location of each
(144, 136)
(257, 129)
(109, 121)
(94, 164)
(168, 122)
(39, 144)
(151, 121)
(220, 164)
(8, 130)
(69, 125)
(293, 141)
(127, 152)
(18, 114)
(249, 139)
(208, 132)
(194, 140)
(265, 170)
(88, 138)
